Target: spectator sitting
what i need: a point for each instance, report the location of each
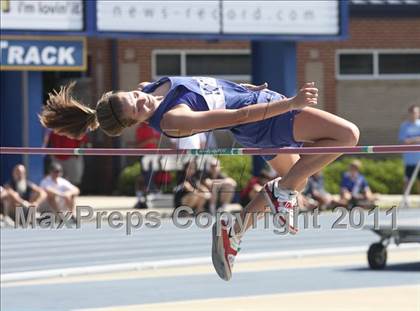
(222, 187)
(22, 192)
(189, 190)
(355, 190)
(61, 193)
(255, 185)
(315, 194)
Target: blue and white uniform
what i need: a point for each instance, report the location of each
(203, 94)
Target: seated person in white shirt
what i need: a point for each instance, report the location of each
(61, 193)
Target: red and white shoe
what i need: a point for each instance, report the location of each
(224, 251)
(282, 202)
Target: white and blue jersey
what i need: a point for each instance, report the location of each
(203, 94)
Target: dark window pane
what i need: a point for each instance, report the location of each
(168, 65)
(218, 65)
(356, 64)
(399, 63)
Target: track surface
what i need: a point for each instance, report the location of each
(265, 282)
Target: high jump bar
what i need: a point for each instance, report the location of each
(217, 151)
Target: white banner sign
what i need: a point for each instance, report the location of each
(42, 15)
(159, 16)
(281, 17)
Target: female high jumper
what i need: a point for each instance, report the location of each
(256, 116)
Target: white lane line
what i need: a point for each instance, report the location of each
(148, 265)
(101, 235)
(32, 242)
(45, 251)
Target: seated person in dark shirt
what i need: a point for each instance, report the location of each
(315, 194)
(355, 190)
(22, 192)
(221, 186)
(189, 190)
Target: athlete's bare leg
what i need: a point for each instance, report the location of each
(321, 129)
(282, 163)
(314, 126)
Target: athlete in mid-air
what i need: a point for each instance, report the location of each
(256, 116)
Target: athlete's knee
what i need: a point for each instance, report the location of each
(355, 134)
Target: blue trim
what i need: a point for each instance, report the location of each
(344, 19)
(273, 62)
(90, 17)
(10, 120)
(44, 33)
(125, 35)
(395, 11)
(166, 36)
(35, 135)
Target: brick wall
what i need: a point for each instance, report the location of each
(378, 106)
(142, 50)
(364, 33)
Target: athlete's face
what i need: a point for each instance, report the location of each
(137, 105)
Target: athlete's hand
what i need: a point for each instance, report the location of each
(307, 96)
(142, 85)
(253, 87)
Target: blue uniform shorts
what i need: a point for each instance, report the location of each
(276, 132)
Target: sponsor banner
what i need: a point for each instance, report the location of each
(41, 15)
(159, 16)
(43, 54)
(303, 17)
(286, 17)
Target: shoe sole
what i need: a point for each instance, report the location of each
(218, 260)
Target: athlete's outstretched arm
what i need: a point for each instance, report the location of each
(183, 121)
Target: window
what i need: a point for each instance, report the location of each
(212, 64)
(232, 65)
(356, 64)
(378, 64)
(399, 63)
(168, 64)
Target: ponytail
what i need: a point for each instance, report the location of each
(66, 116)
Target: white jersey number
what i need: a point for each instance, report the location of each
(212, 92)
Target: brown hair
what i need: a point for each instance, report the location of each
(412, 108)
(67, 116)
